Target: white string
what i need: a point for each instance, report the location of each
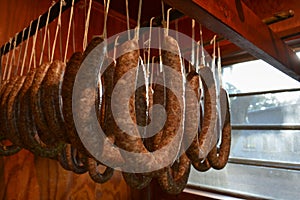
(163, 11)
(49, 45)
(21, 47)
(139, 19)
(13, 54)
(202, 62)
(57, 29)
(69, 30)
(168, 20)
(193, 42)
(7, 60)
(10, 66)
(160, 53)
(105, 19)
(34, 42)
(149, 46)
(219, 67)
(115, 48)
(26, 47)
(87, 22)
(74, 41)
(45, 36)
(127, 18)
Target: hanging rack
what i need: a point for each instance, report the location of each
(54, 12)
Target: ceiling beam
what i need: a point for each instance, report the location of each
(236, 22)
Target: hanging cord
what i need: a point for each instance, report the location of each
(193, 43)
(45, 37)
(7, 61)
(69, 30)
(160, 53)
(26, 49)
(74, 39)
(202, 61)
(152, 69)
(12, 59)
(115, 48)
(87, 23)
(139, 20)
(21, 47)
(60, 38)
(10, 66)
(34, 42)
(219, 67)
(56, 32)
(105, 19)
(168, 20)
(49, 45)
(149, 46)
(213, 62)
(163, 22)
(127, 19)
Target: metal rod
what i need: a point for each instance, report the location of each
(54, 12)
(264, 92)
(265, 127)
(265, 163)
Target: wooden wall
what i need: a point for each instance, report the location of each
(25, 176)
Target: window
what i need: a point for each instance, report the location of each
(265, 152)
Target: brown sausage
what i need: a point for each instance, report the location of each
(72, 68)
(174, 122)
(94, 173)
(208, 137)
(11, 111)
(136, 180)
(141, 100)
(50, 91)
(174, 178)
(218, 156)
(67, 92)
(193, 81)
(74, 164)
(26, 124)
(126, 62)
(36, 102)
(7, 88)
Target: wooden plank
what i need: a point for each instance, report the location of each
(236, 22)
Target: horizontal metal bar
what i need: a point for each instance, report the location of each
(264, 127)
(264, 92)
(265, 163)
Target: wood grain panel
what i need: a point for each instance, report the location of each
(25, 176)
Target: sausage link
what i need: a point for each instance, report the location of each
(29, 133)
(72, 161)
(193, 80)
(175, 178)
(5, 91)
(72, 68)
(51, 105)
(174, 122)
(208, 139)
(94, 173)
(11, 113)
(128, 61)
(218, 157)
(137, 180)
(36, 102)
